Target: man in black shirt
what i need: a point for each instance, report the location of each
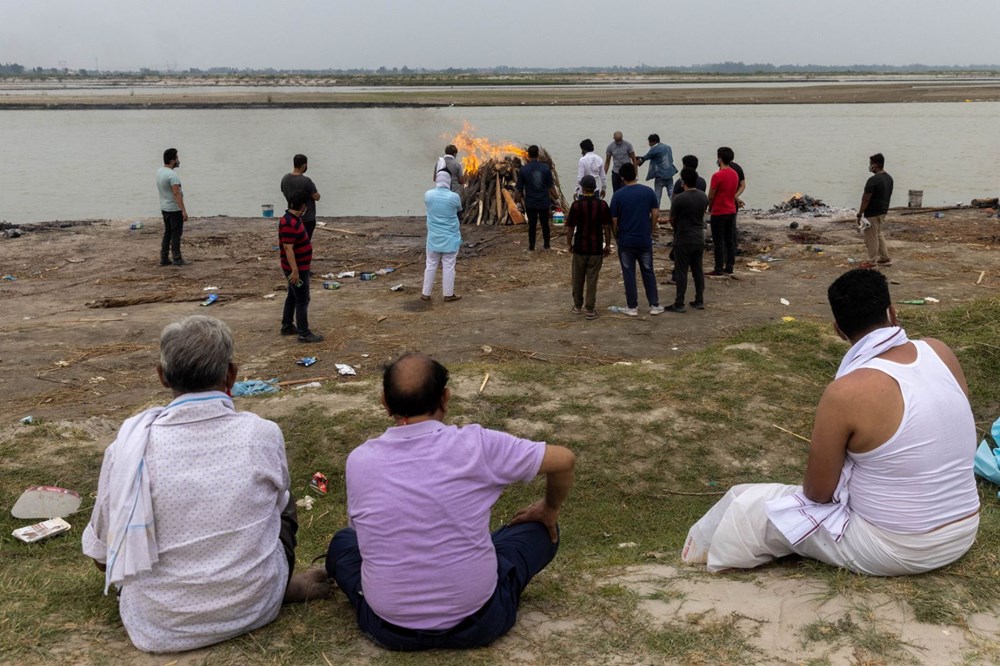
(537, 190)
(874, 206)
(687, 217)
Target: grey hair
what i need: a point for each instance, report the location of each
(195, 353)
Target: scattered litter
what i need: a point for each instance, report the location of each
(210, 289)
(646, 361)
(365, 355)
(398, 287)
(788, 319)
(309, 385)
(9, 278)
(320, 224)
(939, 215)
(26, 318)
(913, 301)
(863, 224)
(306, 502)
(674, 348)
(97, 380)
(76, 260)
(385, 271)
(483, 385)
(623, 363)
(344, 369)
(135, 225)
(628, 544)
(982, 274)
(486, 349)
(331, 284)
(793, 225)
(269, 295)
(318, 483)
(381, 318)
(931, 299)
(254, 387)
(616, 309)
(345, 274)
(785, 301)
(367, 277)
(817, 250)
(758, 266)
(42, 530)
(306, 361)
(211, 299)
(328, 276)
(46, 502)
(28, 420)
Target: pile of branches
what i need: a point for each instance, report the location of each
(799, 202)
(489, 192)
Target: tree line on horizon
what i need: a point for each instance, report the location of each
(728, 67)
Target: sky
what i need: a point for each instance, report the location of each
(341, 34)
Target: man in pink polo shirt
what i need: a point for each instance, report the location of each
(418, 561)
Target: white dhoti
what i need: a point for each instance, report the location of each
(736, 533)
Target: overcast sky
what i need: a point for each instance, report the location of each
(316, 34)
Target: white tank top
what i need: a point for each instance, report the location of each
(921, 478)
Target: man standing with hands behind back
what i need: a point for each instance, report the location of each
(297, 182)
(172, 206)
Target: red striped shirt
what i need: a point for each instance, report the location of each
(291, 231)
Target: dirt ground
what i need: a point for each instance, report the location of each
(81, 319)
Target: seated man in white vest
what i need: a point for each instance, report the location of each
(194, 522)
(889, 487)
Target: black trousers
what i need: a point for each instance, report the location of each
(310, 226)
(616, 181)
(689, 257)
(173, 227)
(536, 215)
(724, 241)
(286, 534)
(297, 304)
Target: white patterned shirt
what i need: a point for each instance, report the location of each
(219, 481)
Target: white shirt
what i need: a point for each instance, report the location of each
(219, 481)
(591, 164)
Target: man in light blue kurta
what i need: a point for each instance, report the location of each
(443, 240)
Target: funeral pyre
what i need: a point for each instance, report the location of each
(490, 176)
(802, 203)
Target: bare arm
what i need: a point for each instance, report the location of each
(865, 200)
(290, 254)
(179, 200)
(614, 226)
(315, 196)
(654, 217)
(711, 196)
(828, 448)
(607, 162)
(557, 466)
(948, 357)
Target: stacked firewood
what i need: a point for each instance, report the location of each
(488, 194)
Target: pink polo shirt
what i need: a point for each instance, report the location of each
(420, 497)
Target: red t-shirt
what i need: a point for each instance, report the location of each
(724, 182)
(291, 231)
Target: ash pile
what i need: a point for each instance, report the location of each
(801, 203)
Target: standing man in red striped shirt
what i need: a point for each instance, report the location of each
(588, 232)
(296, 259)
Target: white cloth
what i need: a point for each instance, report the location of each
(219, 481)
(447, 261)
(131, 539)
(796, 516)
(591, 164)
(736, 534)
(874, 344)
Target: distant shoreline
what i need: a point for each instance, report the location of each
(584, 94)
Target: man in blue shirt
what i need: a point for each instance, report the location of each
(634, 211)
(443, 240)
(535, 184)
(661, 167)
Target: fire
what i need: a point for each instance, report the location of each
(473, 151)
(797, 195)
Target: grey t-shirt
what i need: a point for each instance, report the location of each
(619, 153)
(166, 178)
(292, 185)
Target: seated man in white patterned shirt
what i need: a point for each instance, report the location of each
(194, 522)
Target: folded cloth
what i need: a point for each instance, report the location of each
(796, 516)
(131, 539)
(874, 344)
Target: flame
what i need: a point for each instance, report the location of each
(473, 151)
(797, 195)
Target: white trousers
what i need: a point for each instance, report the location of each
(736, 533)
(447, 262)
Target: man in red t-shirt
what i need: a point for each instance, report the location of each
(295, 249)
(722, 206)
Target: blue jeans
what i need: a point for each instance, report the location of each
(522, 551)
(628, 256)
(659, 184)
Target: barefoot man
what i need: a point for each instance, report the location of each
(889, 487)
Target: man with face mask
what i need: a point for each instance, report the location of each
(172, 206)
(297, 182)
(874, 206)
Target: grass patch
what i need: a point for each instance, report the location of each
(694, 423)
(871, 643)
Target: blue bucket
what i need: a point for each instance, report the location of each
(267, 210)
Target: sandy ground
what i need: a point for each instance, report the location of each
(81, 320)
(585, 93)
(80, 326)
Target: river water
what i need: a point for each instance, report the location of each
(63, 165)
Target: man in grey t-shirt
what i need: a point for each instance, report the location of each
(168, 184)
(297, 182)
(619, 152)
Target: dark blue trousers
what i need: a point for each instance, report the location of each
(522, 551)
